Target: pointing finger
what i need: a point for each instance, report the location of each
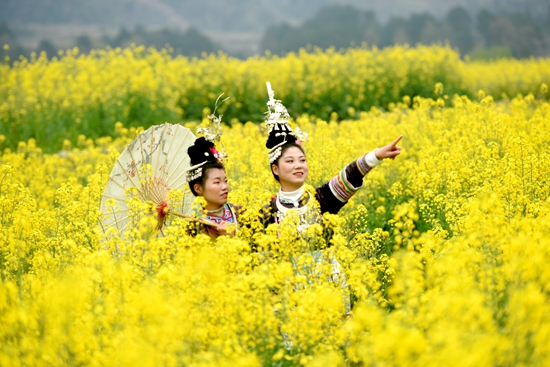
(397, 140)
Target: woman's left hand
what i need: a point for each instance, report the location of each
(391, 150)
(225, 229)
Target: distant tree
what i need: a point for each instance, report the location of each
(530, 36)
(459, 29)
(84, 44)
(47, 47)
(278, 38)
(400, 36)
(503, 31)
(337, 26)
(13, 49)
(372, 33)
(394, 32)
(192, 42)
(431, 33)
(484, 20)
(416, 25)
(121, 40)
(6, 34)
(529, 39)
(517, 32)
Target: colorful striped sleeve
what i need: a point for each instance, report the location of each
(350, 179)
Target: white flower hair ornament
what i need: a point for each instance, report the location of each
(203, 150)
(279, 130)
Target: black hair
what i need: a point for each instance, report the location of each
(284, 148)
(202, 179)
(202, 151)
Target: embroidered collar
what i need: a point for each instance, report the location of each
(225, 213)
(307, 208)
(218, 212)
(291, 197)
(299, 200)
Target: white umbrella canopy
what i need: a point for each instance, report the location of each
(149, 178)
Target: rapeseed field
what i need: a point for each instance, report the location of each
(445, 249)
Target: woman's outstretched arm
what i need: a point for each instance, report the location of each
(335, 193)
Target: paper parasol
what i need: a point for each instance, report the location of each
(149, 178)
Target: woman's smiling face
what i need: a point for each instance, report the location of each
(291, 168)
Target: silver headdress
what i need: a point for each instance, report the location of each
(279, 130)
(204, 150)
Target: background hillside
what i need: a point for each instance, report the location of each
(241, 27)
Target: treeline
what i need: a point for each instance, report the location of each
(485, 35)
(191, 42)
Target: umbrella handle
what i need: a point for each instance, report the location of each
(205, 222)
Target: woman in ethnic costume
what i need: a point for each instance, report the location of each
(207, 178)
(289, 166)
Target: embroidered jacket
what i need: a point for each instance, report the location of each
(331, 196)
(229, 214)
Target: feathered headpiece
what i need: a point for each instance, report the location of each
(280, 132)
(203, 150)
